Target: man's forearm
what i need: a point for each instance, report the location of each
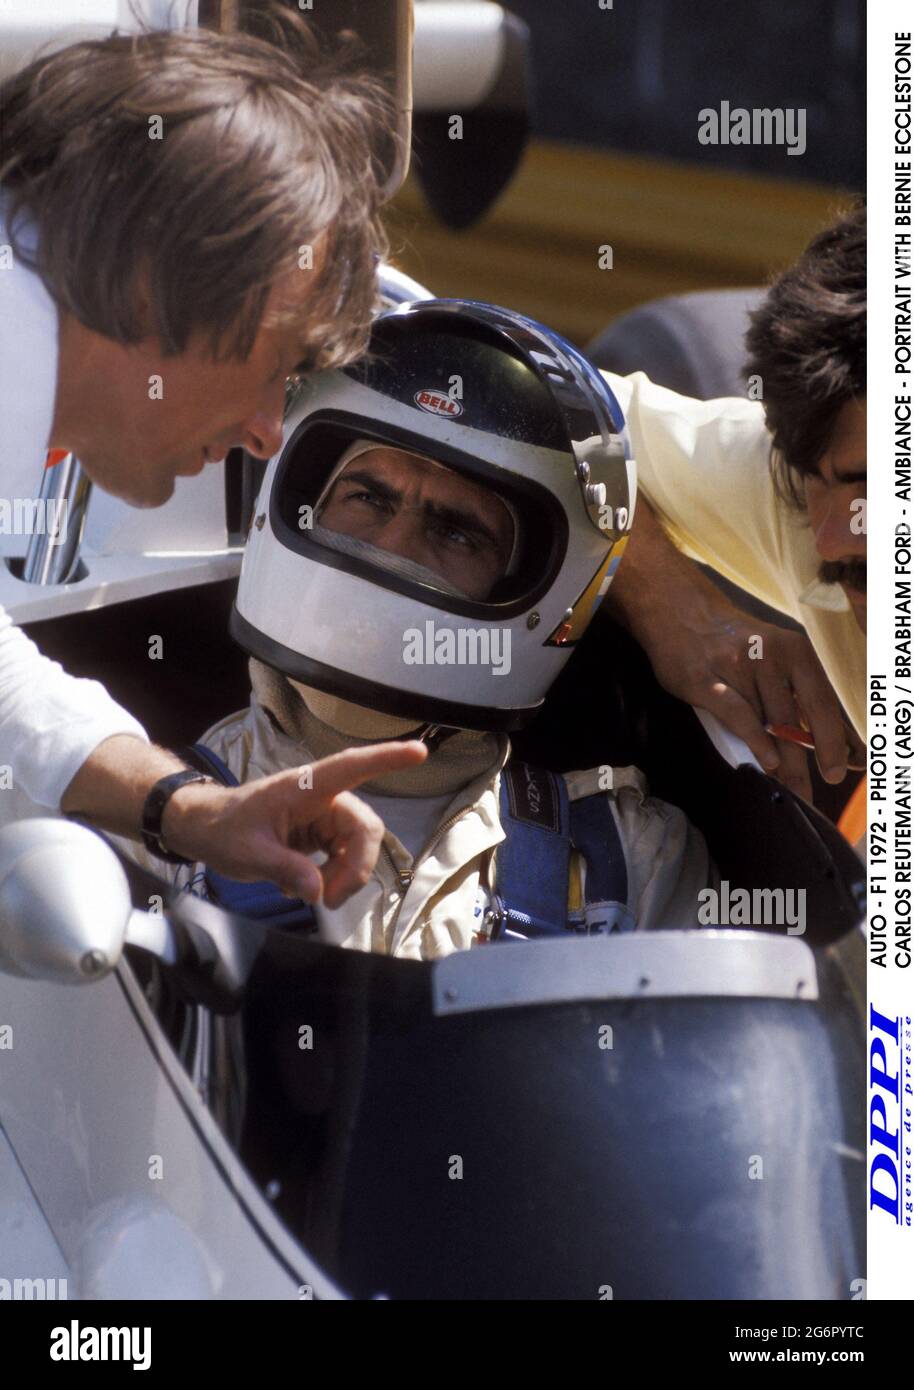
(267, 828)
(114, 781)
(707, 652)
(652, 575)
(50, 721)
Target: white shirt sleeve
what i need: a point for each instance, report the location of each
(50, 722)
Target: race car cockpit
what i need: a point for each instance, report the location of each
(241, 1110)
(245, 1112)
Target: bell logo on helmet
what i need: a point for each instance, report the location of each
(437, 403)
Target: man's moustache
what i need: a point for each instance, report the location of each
(851, 573)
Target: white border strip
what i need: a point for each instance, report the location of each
(890, 984)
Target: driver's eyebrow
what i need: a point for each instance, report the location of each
(385, 490)
(450, 515)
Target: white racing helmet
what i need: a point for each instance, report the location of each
(510, 406)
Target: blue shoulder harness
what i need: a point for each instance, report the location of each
(533, 862)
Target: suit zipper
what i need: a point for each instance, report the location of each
(406, 876)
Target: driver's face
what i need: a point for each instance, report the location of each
(423, 512)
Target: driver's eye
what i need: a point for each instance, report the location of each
(452, 535)
(371, 499)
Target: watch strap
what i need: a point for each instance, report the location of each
(154, 809)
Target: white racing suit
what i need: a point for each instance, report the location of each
(428, 897)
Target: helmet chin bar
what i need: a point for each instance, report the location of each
(427, 710)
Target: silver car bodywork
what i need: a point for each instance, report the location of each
(122, 1171)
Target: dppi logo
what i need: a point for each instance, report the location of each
(889, 1115)
(437, 403)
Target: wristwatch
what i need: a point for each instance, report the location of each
(154, 808)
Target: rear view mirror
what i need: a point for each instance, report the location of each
(64, 902)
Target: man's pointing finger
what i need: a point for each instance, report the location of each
(343, 771)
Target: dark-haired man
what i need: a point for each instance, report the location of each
(774, 500)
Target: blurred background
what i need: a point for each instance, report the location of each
(607, 154)
(578, 131)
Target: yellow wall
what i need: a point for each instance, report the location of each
(672, 227)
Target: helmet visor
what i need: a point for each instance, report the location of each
(412, 521)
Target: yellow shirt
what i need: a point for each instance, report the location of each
(704, 467)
